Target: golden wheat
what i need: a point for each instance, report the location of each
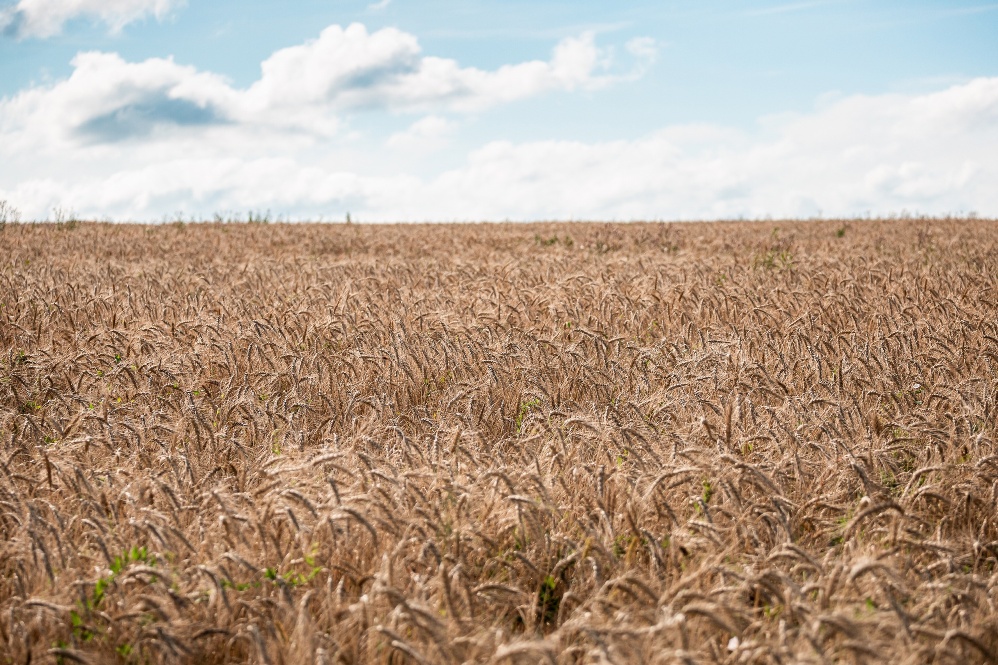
(650, 443)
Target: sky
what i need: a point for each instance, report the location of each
(395, 110)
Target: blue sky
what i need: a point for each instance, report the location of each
(145, 109)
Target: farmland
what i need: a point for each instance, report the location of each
(760, 442)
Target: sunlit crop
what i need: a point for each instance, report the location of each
(651, 443)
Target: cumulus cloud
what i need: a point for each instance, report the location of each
(45, 18)
(143, 140)
(929, 153)
(351, 68)
(109, 100)
(303, 88)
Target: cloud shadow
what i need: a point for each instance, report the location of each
(140, 119)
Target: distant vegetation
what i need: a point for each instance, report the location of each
(650, 443)
(8, 213)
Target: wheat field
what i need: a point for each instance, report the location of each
(766, 442)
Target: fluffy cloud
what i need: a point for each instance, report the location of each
(303, 89)
(929, 153)
(144, 140)
(350, 68)
(108, 100)
(424, 133)
(45, 18)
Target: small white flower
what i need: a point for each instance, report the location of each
(733, 644)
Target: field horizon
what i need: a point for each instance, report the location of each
(12, 216)
(566, 442)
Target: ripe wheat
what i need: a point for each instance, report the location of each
(651, 443)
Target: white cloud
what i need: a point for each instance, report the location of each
(303, 89)
(931, 153)
(140, 140)
(378, 6)
(45, 18)
(643, 48)
(107, 99)
(426, 132)
(351, 68)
